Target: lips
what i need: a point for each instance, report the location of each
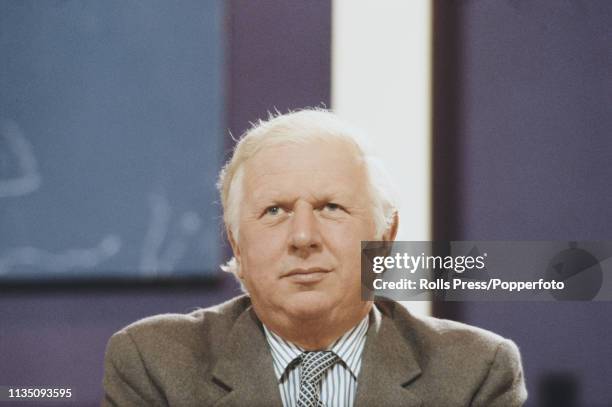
(309, 275)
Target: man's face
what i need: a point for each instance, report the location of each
(304, 212)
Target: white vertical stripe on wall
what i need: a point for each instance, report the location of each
(381, 81)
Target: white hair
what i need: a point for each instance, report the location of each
(299, 127)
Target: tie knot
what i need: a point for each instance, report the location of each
(314, 365)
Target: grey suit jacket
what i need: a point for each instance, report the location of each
(219, 357)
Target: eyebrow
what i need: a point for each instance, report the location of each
(266, 199)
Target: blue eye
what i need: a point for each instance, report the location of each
(273, 210)
(332, 206)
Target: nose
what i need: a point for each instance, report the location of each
(305, 235)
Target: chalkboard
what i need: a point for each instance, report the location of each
(111, 136)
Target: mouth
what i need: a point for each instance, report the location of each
(306, 276)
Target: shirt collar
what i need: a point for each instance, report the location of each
(348, 347)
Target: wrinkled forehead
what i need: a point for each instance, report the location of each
(337, 156)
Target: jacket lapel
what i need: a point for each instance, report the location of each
(388, 366)
(245, 368)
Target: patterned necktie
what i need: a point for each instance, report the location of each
(314, 366)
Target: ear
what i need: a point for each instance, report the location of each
(235, 249)
(391, 232)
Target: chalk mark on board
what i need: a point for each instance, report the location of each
(28, 179)
(188, 226)
(155, 258)
(156, 232)
(60, 262)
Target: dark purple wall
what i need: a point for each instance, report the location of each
(56, 337)
(278, 56)
(528, 102)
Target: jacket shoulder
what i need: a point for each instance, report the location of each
(192, 323)
(441, 333)
(168, 339)
(460, 361)
(450, 346)
(156, 359)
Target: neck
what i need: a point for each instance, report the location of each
(317, 333)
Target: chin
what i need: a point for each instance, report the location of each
(310, 304)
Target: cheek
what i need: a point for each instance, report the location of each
(348, 231)
(260, 249)
(344, 240)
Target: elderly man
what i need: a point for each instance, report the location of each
(299, 195)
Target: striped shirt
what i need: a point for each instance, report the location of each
(339, 384)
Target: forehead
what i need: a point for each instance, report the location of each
(327, 166)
